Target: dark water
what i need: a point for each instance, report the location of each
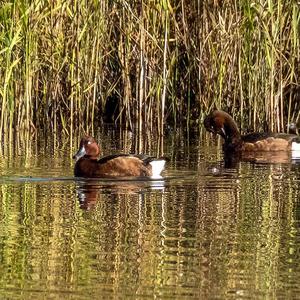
(202, 232)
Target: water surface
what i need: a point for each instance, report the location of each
(201, 232)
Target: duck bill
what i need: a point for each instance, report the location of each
(223, 133)
(80, 153)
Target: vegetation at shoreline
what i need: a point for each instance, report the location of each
(145, 64)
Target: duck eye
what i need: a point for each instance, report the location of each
(89, 142)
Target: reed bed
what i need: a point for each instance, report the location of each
(67, 65)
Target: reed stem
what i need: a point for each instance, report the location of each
(65, 66)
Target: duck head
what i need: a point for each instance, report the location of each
(220, 122)
(88, 148)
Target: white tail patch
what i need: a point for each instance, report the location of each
(295, 150)
(295, 146)
(157, 167)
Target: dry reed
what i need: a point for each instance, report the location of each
(66, 65)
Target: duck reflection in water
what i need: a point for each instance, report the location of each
(90, 192)
(254, 147)
(231, 160)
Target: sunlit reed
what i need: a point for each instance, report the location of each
(66, 66)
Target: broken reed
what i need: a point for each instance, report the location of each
(66, 65)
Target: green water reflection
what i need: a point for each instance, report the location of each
(198, 234)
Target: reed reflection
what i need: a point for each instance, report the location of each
(249, 226)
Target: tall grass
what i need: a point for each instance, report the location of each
(252, 50)
(68, 65)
